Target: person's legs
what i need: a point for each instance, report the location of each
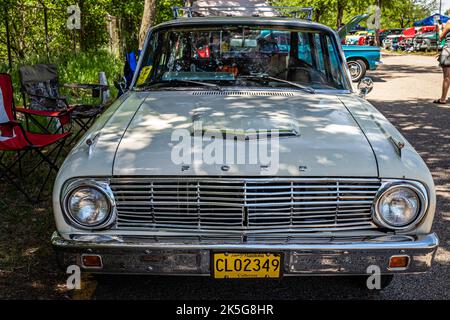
(445, 84)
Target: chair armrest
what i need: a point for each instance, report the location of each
(63, 99)
(44, 113)
(12, 125)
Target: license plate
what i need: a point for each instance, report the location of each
(246, 265)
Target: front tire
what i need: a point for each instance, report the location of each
(358, 69)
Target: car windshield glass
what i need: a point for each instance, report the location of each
(230, 55)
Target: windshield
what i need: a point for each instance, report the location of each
(244, 56)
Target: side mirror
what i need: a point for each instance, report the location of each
(365, 86)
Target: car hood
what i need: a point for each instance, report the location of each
(319, 137)
(345, 29)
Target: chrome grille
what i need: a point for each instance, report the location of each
(250, 206)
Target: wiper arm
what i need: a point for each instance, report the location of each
(267, 77)
(206, 84)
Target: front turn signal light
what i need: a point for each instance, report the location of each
(398, 262)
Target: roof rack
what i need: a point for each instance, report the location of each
(277, 11)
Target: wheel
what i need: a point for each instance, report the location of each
(358, 69)
(386, 280)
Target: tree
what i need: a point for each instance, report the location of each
(148, 19)
(341, 7)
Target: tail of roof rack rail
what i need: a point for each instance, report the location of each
(256, 11)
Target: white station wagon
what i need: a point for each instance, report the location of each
(176, 177)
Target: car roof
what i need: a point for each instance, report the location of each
(266, 21)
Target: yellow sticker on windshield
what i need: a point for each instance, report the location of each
(144, 75)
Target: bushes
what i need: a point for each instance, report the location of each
(80, 68)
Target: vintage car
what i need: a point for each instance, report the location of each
(176, 177)
(360, 59)
(390, 32)
(428, 41)
(359, 38)
(401, 41)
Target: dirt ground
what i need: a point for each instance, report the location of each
(404, 89)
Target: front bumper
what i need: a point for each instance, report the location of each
(333, 257)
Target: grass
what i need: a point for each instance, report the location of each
(27, 262)
(73, 68)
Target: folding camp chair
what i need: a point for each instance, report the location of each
(40, 83)
(43, 101)
(14, 139)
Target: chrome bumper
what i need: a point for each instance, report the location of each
(127, 256)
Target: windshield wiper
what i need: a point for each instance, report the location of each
(266, 77)
(205, 84)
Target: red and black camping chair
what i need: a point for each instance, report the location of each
(40, 84)
(18, 146)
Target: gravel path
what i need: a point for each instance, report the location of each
(404, 87)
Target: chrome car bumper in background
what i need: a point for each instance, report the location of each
(143, 256)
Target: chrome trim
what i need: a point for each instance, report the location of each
(429, 241)
(126, 256)
(244, 205)
(101, 186)
(387, 186)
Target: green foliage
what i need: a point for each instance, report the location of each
(395, 13)
(164, 9)
(79, 68)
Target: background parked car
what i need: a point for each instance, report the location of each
(356, 38)
(427, 42)
(399, 41)
(385, 33)
(391, 41)
(360, 58)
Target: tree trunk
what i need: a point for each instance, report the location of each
(148, 19)
(340, 13)
(318, 15)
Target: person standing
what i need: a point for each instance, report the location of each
(444, 61)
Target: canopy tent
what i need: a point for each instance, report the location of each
(432, 20)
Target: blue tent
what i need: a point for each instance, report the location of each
(431, 20)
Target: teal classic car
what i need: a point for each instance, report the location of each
(359, 58)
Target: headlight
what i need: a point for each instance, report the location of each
(89, 204)
(400, 206)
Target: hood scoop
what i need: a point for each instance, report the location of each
(244, 136)
(258, 127)
(244, 93)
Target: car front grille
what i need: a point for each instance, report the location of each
(242, 206)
